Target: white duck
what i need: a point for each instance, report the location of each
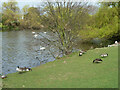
(116, 42)
(33, 32)
(42, 48)
(35, 35)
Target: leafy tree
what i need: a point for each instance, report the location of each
(31, 18)
(104, 23)
(10, 16)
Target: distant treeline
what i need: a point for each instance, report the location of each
(80, 19)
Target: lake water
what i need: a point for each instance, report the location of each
(21, 48)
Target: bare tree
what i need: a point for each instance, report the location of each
(64, 19)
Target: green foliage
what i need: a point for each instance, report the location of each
(31, 18)
(0, 25)
(10, 16)
(66, 19)
(104, 23)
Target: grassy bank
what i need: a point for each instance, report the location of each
(71, 72)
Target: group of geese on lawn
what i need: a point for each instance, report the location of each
(19, 69)
(97, 60)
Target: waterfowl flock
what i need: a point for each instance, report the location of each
(97, 60)
(26, 69)
(23, 69)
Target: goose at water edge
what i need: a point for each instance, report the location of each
(3, 76)
(20, 69)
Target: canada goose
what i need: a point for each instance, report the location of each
(104, 55)
(3, 76)
(80, 54)
(19, 69)
(97, 60)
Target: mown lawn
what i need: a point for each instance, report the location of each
(72, 71)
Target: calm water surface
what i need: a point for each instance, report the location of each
(20, 48)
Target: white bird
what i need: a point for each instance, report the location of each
(45, 32)
(35, 35)
(109, 45)
(116, 42)
(33, 32)
(42, 48)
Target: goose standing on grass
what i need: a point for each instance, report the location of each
(20, 69)
(97, 60)
(104, 55)
(3, 76)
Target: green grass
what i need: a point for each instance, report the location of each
(71, 71)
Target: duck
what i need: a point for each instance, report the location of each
(3, 76)
(80, 54)
(35, 35)
(45, 32)
(33, 32)
(20, 69)
(97, 60)
(104, 55)
(42, 48)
